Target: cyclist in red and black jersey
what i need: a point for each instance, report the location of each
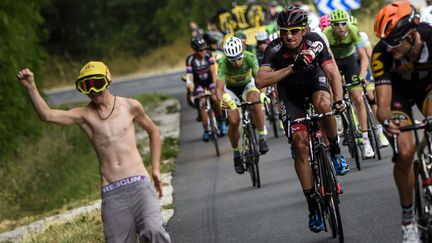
(402, 68)
(200, 75)
(298, 63)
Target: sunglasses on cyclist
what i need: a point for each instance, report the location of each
(336, 24)
(96, 84)
(395, 42)
(235, 59)
(293, 30)
(200, 50)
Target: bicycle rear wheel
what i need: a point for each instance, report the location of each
(214, 130)
(352, 139)
(331, 198)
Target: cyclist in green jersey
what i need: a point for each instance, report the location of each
(344, 39)
(370, 87)
(235, 82)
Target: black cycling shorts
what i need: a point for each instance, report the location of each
(293, 102)
(405, 96)
(349, 67)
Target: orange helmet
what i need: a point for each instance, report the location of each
(395, 19)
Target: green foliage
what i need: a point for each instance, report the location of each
(98, 28)
(19, 47)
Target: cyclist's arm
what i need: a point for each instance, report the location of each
(213, 73)
(266, 76)
(364, 61)
(220, 85)
(220, 80)
(189, 74)
(332, 73)
(383, 97)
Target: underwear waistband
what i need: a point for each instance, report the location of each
(122, 182)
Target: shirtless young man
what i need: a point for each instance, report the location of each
(129, 201)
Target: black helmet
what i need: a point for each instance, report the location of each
(292, 16)
(211, 38)
(197, 43)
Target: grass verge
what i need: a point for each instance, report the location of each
(60, 172)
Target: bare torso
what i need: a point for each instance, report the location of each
(114, 141)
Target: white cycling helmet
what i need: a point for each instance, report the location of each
(261, 36)
(233, 47)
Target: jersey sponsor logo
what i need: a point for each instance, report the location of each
(377, 65)
(322, 80)
(277, 47)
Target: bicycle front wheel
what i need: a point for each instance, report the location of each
(254, 157)
(331, 197)
(352, 138)
(372, 131)
(421, 205)
(214, 130)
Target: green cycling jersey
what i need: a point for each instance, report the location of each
(238, 76)
(346, 46)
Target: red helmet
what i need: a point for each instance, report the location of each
(395, 19)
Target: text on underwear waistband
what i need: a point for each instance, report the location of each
(122, 182)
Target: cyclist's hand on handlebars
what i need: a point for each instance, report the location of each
(340, 105)
(264, 98)
(391, 127)
(299, 62)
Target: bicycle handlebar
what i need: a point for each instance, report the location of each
(204, 94)
(315, 117)
(248, 103)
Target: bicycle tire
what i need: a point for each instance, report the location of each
(214, 131)
(331, 197)
(255, 157)
(273, 119)
(372, 131)
(247, 154)
(352, 140)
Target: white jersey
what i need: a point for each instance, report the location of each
(365, 39)
(426, 15)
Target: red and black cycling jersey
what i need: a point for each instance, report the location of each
(277, 56)
(402, 72)
(296, 88)
(200, 68)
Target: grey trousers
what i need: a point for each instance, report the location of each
(132, 211)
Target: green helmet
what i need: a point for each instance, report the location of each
(240, 34)
(353, 20)
(339, 15)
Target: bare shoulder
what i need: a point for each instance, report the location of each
(134, 106)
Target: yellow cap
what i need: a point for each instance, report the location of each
(94, 68)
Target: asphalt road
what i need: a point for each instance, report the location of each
(214, 204)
